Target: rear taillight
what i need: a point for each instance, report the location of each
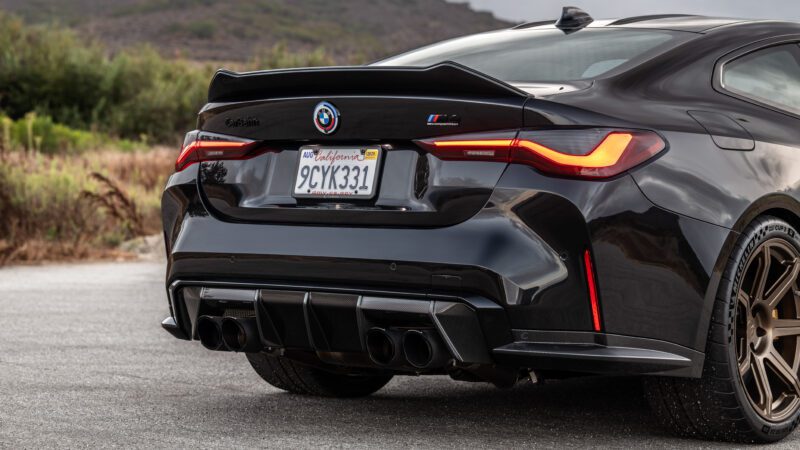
(212, 150)
(586, 153)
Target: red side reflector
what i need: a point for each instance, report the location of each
(591, 282)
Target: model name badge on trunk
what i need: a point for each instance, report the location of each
(337, 173)
(444, 120)
(239, 122)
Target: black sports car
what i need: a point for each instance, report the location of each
(561, 198)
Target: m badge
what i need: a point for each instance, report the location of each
(444, 120)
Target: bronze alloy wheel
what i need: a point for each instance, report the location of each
(767, 330)
(748, 391)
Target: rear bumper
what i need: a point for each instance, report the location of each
(481, 256)
(519, 257)
(331, 323)
(495, 254)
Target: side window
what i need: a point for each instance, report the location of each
(770, 76)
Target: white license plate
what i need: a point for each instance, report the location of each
(337, 173)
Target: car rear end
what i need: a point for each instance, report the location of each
(420, 216)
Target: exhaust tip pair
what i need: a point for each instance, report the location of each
(229, 333)
(422, 349)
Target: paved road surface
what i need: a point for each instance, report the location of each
(84, 363)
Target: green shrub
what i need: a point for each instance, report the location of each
(41, 199)
(39, 133)
(278, 56)
(69, 206)
(134, 94)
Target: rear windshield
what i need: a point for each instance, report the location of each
(546, 55)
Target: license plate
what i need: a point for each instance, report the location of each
(337, 173)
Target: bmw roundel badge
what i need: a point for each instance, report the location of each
(326, 118)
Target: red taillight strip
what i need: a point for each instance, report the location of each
(473, 150)
(189, 154)
(484, 143)
(617, 152)
(606, 154)
(591, 282)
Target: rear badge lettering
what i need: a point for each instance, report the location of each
(242, 122)
(444, 120)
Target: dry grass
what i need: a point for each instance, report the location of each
(71, 207)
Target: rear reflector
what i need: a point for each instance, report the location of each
(591, 283)
(198, 151)
(586, 153)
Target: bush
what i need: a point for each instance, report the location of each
(34, 132)
(136, 92)
(71, 207)
(278, 56)
(153, 97)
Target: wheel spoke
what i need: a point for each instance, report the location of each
(784, 371)
(762, 384)
(784, 284)
(760, 284)
(785, 327)
(796, 365)
(746, 364)
(744, 300)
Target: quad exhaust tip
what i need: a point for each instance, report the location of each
(421, 349)
(424, 349)
(383, 346)
(221, 334)
(240, 335)
(210, 333)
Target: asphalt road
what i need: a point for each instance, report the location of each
(84, 363)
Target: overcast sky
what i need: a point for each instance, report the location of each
(522, 10)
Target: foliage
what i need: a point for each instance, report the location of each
(71, 84)
(201, 29)
(134, 93)
(71, 207)
(37, 133)
(278, 56)
(365, 29)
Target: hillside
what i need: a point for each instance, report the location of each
(349, 31)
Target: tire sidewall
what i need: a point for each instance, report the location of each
(753, 236)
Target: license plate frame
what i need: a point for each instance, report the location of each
(323, 152)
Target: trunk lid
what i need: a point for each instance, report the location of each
(377, 108)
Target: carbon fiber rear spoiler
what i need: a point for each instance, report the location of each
(447, 79)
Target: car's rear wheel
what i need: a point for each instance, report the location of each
(291, 376)
(750, 388)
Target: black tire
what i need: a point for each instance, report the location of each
(294, 377)
(717, 406)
